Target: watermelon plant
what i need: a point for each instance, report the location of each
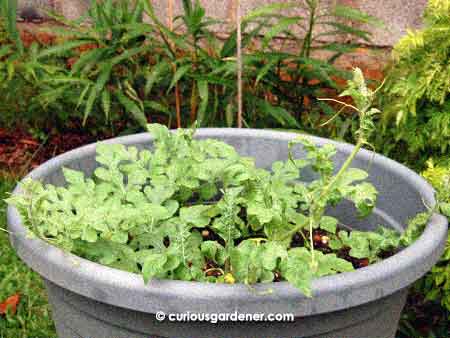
(196, 210)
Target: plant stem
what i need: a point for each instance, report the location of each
(316, 212)
(342, 170)
(178, 104)
(327, 189)
(194, 102)
(311, 240)
(306, 47)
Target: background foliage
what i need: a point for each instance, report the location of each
(436, 285)
(110, 67)
(416, 96)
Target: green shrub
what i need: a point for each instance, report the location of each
(111, 66)
(436, 284)
(16, 73)
(416, 96)
(297, 79)
(103, 60)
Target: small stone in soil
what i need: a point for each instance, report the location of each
(277, 277)
(297, 241)
(214, 273)
(166, 242)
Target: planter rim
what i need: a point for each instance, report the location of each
(331, 293)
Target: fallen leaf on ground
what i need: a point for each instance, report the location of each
(11, 303)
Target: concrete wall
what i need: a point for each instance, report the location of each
(398, 15)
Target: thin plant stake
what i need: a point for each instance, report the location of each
(177, 88)
(239, 62)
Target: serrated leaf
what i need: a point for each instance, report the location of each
(120, 237)
(214, 251)
(297, 270)
(73, 176)
(329, 224)
(153, 265)
(89, 235)
(330, 264)
(271, 253)
(195, 215)
(364, 196)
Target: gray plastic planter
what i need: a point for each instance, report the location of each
(93, 301)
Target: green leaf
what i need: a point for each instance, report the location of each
(154, 75)
(225, 228)
(330, 264)
(62, 48)
(133, 108)
(282, 25)
(159, 193)
(159, 131)
(280, 114)
(364, 196)
(267, 10)
(180, 72)
(157, 106)
(271, 254)
(73, 177)
(89, 235)
(415, 228)
(195, 215)
(106, 103)
(244, 262)
(83, 94)
(354, 14)
(329, 224)
(128, 54)
(9, 12)
(358, 242)
(214, 251)
(352, 175)
(153, 265)
(120, 237)
(87, 58)
(89, 104)
(297, 270)
(261, 213)
(208, 191)
(103, 77)
(203, 91)
(445, 209)
(265, 70)
(343, 29)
